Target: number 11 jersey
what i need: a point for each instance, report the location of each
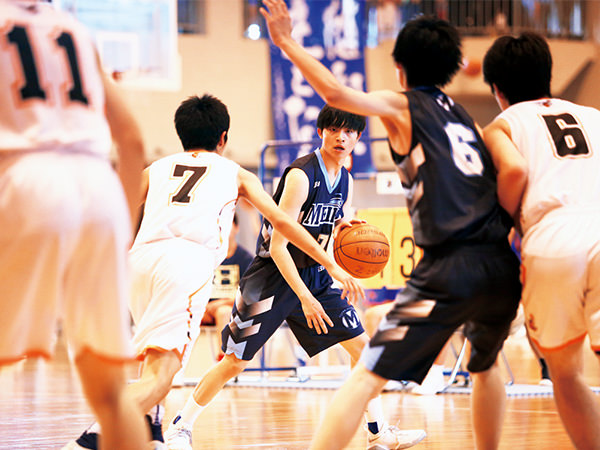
(50, 84)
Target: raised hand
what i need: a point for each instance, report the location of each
(278, 20)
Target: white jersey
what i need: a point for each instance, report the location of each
(51, 91)
(192, 196)
(561, 144)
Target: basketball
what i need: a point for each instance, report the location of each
(471, 66)
(362, 250)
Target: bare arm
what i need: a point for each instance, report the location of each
(377, 103)
(251, 189)
(347, 220)
(129, 144)
(294, 195)
(510, 165)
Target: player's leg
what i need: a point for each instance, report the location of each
(488, 403)
(156, 377)
(260, 308)
(344, 414)
(577, 405)
(119, 416)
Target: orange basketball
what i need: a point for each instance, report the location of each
(362, 250)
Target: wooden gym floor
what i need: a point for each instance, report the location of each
(41, 407)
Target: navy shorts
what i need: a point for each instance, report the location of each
(476, 286)
(265, 301)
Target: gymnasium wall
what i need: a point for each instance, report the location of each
(236, 69)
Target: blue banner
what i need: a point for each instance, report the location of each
(333, 31)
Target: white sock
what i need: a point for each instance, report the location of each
(156, 413)
(190, 411)
(95, 428)
(374, 415)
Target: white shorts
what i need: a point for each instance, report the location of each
(171, 285)
(64, 235)
(561, 279)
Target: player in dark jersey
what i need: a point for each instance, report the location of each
(468, 274)
(285, 284)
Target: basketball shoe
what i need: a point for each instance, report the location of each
(89, 438)
(392, 438)
(179, 435)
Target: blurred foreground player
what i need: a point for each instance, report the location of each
(65, 226)
(468, 274)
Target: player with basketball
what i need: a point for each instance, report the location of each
(557, 144)
(468, 274)
(190, 198)
(283, 283)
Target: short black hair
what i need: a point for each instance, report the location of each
(333, 117)
(429, 51)
(200, 122)
(520, 67)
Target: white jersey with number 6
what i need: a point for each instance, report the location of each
(561, 143)
(191, 196)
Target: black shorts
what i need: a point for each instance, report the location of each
(265, 301)
(475, 285)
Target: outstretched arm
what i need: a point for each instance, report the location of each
(377, 103)
(251, 188)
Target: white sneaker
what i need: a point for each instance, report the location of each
(433, 383)
(392, 438)
(179, 435)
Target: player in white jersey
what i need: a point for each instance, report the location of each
(188, 214)
(65, 226)
(555, 146)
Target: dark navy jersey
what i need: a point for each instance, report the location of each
(318, 214)
(448, 175)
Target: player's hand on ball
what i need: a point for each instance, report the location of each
(316, 317)
(346, 224)
(351, 289)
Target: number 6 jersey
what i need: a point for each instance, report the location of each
(50, 84)
(191, 196)
(556, 137)
(448, 175)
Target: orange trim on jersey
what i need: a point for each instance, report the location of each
(560, 347)
(25, 355)
(144, 353)
(221, 240)
(106, 358)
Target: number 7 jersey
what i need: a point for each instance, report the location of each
(561, 143)
(191, 196)
(51, 89)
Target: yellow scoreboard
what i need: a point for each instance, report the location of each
(404, 254)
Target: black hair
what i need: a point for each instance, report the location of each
(429, 51)
(333, 117)
(520, 67)
(200, 122)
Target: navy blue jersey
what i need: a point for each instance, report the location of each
(449, 176)
(318, 214)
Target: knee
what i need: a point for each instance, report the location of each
(232, 365)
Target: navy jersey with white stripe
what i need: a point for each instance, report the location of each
(318, 214)
(448, 175)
